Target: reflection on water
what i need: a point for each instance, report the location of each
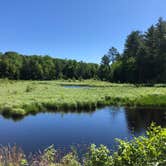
(65, 129)
(17, 118)
(139, 119)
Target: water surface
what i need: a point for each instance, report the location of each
(63, 130)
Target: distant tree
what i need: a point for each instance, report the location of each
(104, 70)
(144, 57)
(133, 42)
(150, 69)
(11, 63)
(16, 66)
(105, 60)
(113, 54)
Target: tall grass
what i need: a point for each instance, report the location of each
(19, 98)
(12, 156)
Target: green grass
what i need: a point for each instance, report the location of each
(24, 97)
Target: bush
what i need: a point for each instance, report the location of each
(149, 150)
(69, 160)
(98, 156)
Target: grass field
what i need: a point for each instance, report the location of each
(24, 97)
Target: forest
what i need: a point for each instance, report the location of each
(142, 61)
(144, 57)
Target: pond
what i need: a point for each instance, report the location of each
(63, 130)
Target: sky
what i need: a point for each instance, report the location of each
(73, 29)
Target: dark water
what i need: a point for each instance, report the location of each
(63, 130)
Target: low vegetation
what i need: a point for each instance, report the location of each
(149, 150)
(19, 98)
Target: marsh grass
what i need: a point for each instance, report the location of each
(19, 98)
(12, 156)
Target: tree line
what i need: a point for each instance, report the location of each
(16, 66)
(142, 61)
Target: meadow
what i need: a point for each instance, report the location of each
(19, 98)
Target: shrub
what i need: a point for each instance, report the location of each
(49, 158)
(149, 150)
(98, 156)
(69, 160)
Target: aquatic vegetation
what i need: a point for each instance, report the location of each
(12, 156)
(25, 97)
(143, 150)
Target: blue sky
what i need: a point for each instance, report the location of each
(73, 29)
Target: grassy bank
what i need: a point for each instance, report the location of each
(149, 150)
(25, 97)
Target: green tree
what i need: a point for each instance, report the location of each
(113, 54)
(104, 70)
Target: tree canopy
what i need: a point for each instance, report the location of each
(144, 57)
(17, 66)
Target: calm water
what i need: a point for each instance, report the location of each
(63, 130)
